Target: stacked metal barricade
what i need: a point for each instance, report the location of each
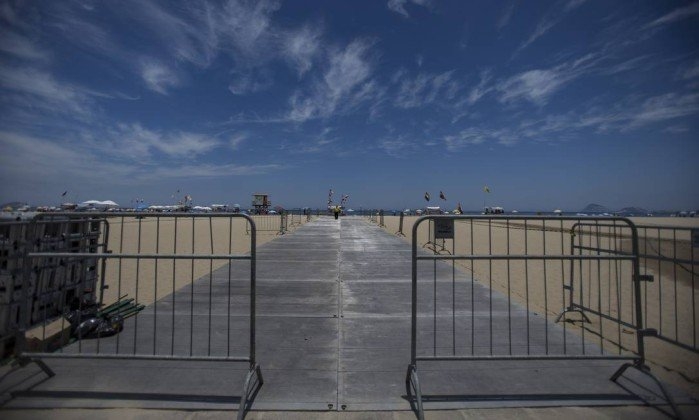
(46, 285)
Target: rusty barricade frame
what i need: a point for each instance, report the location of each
(253, 379)
(634, 360)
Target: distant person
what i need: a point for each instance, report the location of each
(336, 212)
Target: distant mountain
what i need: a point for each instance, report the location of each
(595, 208)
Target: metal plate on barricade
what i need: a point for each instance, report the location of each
(444, 228)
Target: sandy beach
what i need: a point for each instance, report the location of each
(147, 280)
(539, 285)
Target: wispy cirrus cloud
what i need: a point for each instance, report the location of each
(481, 89)
(678, 14)
(398, 6)
(473, 136)
(22, 47)
(538, 85)
(158, 77)
(133, 141)
(40, 90)
(348, 70)
(424, 88)
(39, 160)
(552, 18)
(300, 47)
(506, 15)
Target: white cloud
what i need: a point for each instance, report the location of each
(210, 171)
(236, 140)
(43, 159)
(347, 70)
(243, 83)
(538, 85)
(425, 88)
(481, 89)
(466, 137)
(158, 77)
(38, 161)
(44, 92)
(246, 25)
(665, 107)
(136, 141)
(301, 47)
(691, 71)
(504, 19)
(550, 19)
(20, 46)
(676, 15)
(398, 6)
(534, 85)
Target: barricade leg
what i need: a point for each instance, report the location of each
(641, 367)
(248, 391)
(413, 384)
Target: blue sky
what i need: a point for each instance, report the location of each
(552, 104)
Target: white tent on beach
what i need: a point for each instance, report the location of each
(96, 204)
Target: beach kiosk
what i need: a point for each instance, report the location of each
(260, 203)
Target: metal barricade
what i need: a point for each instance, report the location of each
(277, 223)
(496, 290)
(159, 286)
(668, 268)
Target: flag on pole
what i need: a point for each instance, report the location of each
(441, 195)
(486, 189)
(427, 196)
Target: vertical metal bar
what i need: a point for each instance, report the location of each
(138, 266)
(155, 286)
(121, 250)
(228, 304)
(526, 278)
(509, 292)
(546, 297)
(413, 314)
(660, 287)
(473, 299)
(453, 295)
(105, 247)
(645, 284)
(211, 279)
(434, 303)
(253, 289)
(599, 283)
(174, 287)
(582, 280)
(490, 282)
(676, 280)
(191, 293)
(619, 286)
(694, 306)
(563, 283)
(637, 292)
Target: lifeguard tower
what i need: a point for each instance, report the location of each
(260, 203)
